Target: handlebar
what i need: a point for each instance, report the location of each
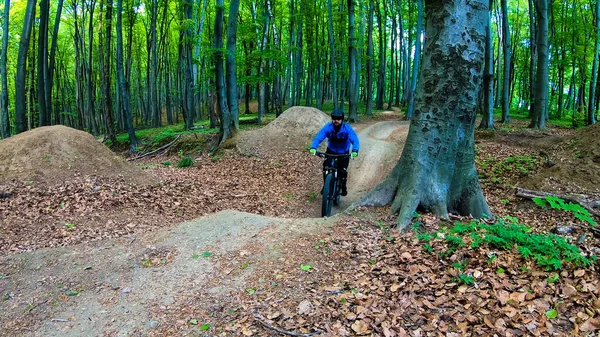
(332, 156)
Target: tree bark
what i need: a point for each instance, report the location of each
(231, 65)
(591, 111)
(381, 72)
(42, 62)
(332, 62)
(52, 63)
(226, 126)
(416, 60)
(487, 122)
(369, 100)
(352, 115)
(541, 95)
(20, 113)
(4, 121)
(123, 85)
(506, 68)
(437, 170)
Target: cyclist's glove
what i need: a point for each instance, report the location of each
(354, 154)
(313, 151)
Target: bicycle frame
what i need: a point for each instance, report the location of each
(331, 192)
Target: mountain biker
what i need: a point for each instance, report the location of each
(339, 136)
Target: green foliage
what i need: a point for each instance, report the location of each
(576, 209)
(548, 251)
(185, 162)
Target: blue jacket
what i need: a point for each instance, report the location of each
(338, 142)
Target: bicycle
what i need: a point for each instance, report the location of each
(331, 194)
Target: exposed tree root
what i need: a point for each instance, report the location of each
(164, 147)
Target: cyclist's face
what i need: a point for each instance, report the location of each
(336, 122)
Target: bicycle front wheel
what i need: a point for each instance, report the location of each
(327, 196)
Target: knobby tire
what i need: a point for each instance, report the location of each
(327, 199)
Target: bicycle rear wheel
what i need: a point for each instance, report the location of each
(327, 196)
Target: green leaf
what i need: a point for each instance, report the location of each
(551, 313)
(70, 225)
(193, 321)
(205, 327)
(251, 291)
(244, 265)
(306, 267)
(71, 292)
(206, 254)
(553, 278)
(499, 271)
(195, 256)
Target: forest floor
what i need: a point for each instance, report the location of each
(233, 247)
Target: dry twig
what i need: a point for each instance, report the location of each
(157, 150)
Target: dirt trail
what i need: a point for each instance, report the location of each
(379, 152)
(106, 288)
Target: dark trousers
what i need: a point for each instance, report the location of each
(342, 165)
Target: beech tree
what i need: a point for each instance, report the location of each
(4, 121)
(437, 168)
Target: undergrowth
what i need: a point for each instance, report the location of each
(548, 251)
(577, 210)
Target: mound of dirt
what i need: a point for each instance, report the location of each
(293, 129)
(55, 154)
(573, 164)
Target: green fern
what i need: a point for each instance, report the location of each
(577, 210)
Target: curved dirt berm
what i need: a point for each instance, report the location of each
(293, 129)
(54, 154)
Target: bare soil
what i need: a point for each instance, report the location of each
(55, 154)
(186, 257)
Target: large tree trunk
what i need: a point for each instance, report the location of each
(333, 66)
(415, 70)
(506, 67)
(20, 113)
(437, 170)
(591, 112)
(123, 85)
(227, 126)
(4, 122)
(369, 100)
(352, 116)
(231, 66)
(541, 95)
(487, 122)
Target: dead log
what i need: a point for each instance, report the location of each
(584, 200)
(164, 147)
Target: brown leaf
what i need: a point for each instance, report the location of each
(360, 327)
(590, 325)
(579, 273)
(568, 290)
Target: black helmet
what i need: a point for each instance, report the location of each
(337, 113)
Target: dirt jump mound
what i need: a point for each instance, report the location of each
(293, 129)
(573, 165)
(55, 154)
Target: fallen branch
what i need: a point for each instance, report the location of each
(62, 320)
(586, 201)
(262, 320)
(164, 147)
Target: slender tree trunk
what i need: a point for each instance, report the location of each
(392, 65)
(369, 101)
(532, 61)
(231, 66)
(227, 125)
(541, 96)
(332, 65)
(20, 113)
(382, 61)
(487, 122)
(352, 116)
(507, 63)
(415, 69)
(108, 113)
(4, 122)
(437, 168)
(123, 85)
(51, 64)
(42, 63)
(591, 111)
